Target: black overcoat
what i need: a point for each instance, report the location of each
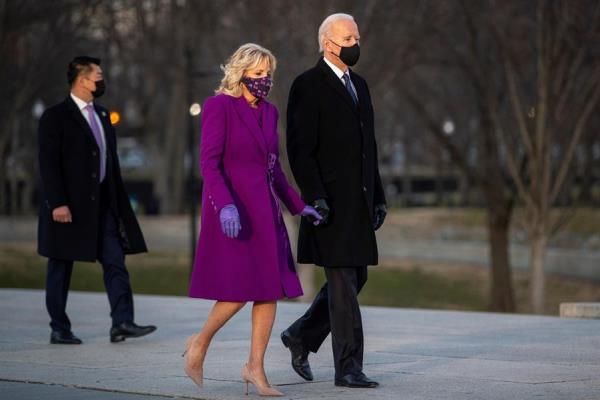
(69, 163)
(333, 155)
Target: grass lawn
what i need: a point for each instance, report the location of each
(417, 288)
(159, 273)
(410, 284)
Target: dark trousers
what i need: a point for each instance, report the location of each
(116, 279)
(335, 309)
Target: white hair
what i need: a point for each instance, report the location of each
(325, 28)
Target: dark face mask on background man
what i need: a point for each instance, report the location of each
(100, 88)
(349, 55)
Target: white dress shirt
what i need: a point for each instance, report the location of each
(82, 104)
(339, 73)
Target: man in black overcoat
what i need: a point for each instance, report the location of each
(333, 155)
(85, 214)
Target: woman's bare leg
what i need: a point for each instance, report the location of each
(221, 312)
(263, 316)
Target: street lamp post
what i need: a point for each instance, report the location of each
(192, 158)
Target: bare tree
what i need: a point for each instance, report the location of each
(454, 72)
(551, 115)
(32, 36)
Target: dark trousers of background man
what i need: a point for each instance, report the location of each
(335, 309)
(116, 277)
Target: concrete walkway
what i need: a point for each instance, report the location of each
(415, 354)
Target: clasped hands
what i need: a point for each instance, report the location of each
(230, 219)
(321, 207)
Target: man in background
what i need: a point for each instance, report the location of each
(85, 213)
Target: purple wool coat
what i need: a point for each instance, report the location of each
(239, 165)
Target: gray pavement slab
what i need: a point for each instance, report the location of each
(414, 354)
(41, 391)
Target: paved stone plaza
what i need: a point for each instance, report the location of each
(415, 354)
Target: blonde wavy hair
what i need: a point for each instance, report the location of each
(247, 56)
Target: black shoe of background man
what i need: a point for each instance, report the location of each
(299, 356)
(129, 330)
(61, 337)
(356, 381)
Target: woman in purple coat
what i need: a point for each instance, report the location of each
(243, 251)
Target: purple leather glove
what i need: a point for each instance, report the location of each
(230, 221)
(312, 215)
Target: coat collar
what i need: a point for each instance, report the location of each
(333, 81)
(75, 113)
(246, 115)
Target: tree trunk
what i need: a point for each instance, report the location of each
(171, 187)
(3, 190)
(502, 297)
(587, 178)
(439, 180)
(27, 195)
(13, 172)
(407, 197)
(4, 195)
(464, 190)
(175, 146)
(539, 242)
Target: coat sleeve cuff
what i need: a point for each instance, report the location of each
(217, 202)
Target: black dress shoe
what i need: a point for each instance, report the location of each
(129, 330)
(356, 381)
(59, 337)
(299, 356)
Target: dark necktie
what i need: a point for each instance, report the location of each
(349, 88)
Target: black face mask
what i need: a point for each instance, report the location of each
(100, 88)
(349, 55)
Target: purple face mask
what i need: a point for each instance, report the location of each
(258, 87)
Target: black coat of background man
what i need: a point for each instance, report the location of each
(85, 213)
(333, 156)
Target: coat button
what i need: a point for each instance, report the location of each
(364, 188)
(94, 153)
(93, 175)
(364, 157)
(92, 198)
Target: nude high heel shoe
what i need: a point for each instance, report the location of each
(194, 374)
(262, 389)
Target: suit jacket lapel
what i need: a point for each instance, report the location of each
(76, 114)
(333, 81)
(245, 113)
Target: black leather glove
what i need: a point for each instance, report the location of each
(379, 216)
(322, 208)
